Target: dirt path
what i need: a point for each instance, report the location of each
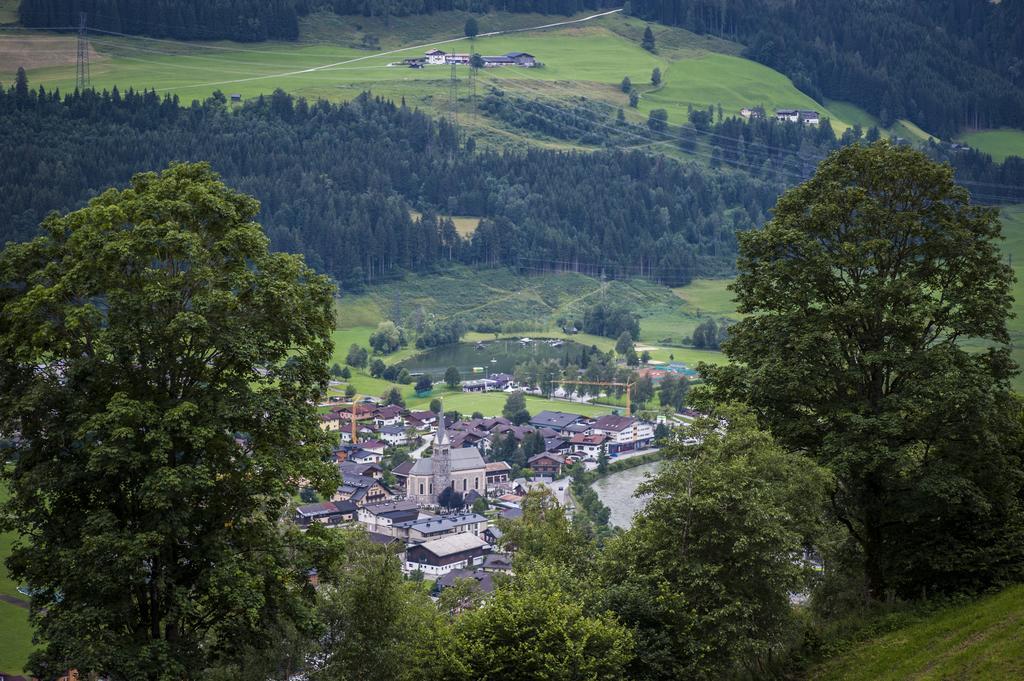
(17, 602)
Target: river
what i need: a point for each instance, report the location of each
(616, 492)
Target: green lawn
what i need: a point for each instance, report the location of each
(15, 632)
(997, 143)
(982, 640)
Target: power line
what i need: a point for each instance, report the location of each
(82, 63)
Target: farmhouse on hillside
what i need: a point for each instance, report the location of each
(805, 116)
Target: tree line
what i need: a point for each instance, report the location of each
(254, 20)
(338, 182)
(945, 65)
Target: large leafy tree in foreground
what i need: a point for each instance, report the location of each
(704, 575)
(860, 295)
(161, 367)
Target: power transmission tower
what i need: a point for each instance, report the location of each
(453, 97)
(82, 73)
(472, 81)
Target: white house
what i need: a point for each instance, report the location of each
(441, 556)
(394, 435)
(625, 433)
(435, 57)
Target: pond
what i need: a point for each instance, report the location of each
(477, 360)
(616, 492)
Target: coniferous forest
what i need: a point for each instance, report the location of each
(253, 20)
(945, 65)
(338, 183)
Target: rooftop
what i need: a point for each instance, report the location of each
(454, 543)
(555, 419)
(614, 423)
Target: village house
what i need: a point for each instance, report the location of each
(379, 518)
(588, 445)
(362, 490)
(435, 56)
(327, 513)
(625, 433)
(395, 436)
(428, 529)
(752, 113)
(362, 432)
(479, 385)
(370, 470)
(497, 562)
(546, 464)
(492, 535)
(805, 116)
(522, 59)
(441, 556)
(557, 421)
(390, 415)
(504, 381)
(484, 580)
(497, 473)
(330, 422)
(422, 420)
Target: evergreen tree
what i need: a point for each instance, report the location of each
(648, 41)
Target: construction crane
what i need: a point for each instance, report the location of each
(627, 386)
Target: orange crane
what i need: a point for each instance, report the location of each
(627, 386)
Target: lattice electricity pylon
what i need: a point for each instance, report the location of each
(82, 72)
(453, 97)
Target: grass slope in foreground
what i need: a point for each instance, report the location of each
(982, 640)
(15, 632)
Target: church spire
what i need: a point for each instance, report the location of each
(441, 437)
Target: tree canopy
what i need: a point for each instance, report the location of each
(161, 367)
(859, 296)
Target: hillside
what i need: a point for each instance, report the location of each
(332, 61)
(981, 640)
(946, 65)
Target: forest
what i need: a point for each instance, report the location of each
(337, 184)
(786, 153)
(945, 65)
(253, 20)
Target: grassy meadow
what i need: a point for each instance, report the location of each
(332, 60)
(997, 143)
(980, 640)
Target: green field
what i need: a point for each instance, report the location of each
(15, 633)
(9, 11)
(982, 640)
(997, 143)
(331, 62)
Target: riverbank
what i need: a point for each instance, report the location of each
(587, 500)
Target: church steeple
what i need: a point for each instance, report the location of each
(441, 436)
(441, 464)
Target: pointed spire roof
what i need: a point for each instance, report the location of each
(441, 436)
